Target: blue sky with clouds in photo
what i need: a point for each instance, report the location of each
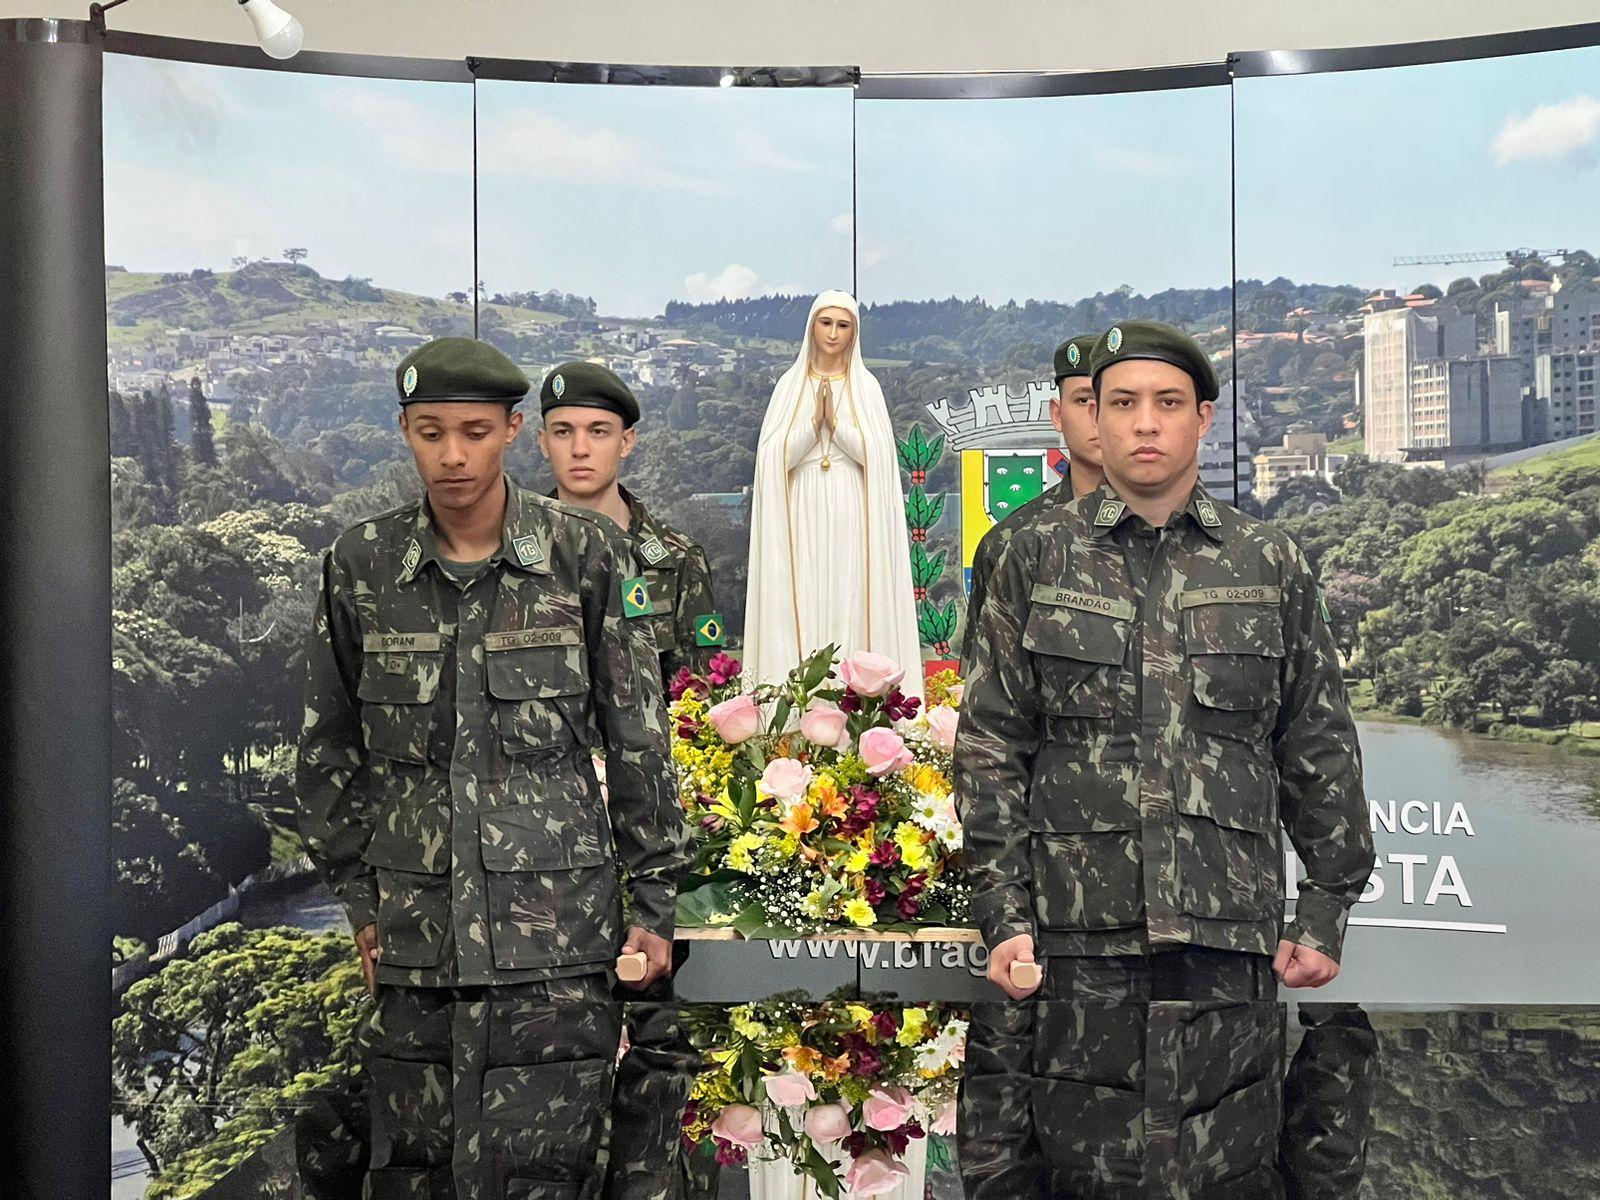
(637, 196)
(1341, 173)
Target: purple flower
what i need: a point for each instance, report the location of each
(681, 683)
(886, 855)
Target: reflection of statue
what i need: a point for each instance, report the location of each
(829, 556)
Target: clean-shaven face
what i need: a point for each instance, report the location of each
(1150, 425)
(459, 448)
(585, 447)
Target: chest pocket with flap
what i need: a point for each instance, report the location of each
(538, 678)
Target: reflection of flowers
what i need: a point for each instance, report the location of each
(887, 1108)
(789, 1088)
(826, 1123)
(739, 1124)
(874, 1172)
(870, 1078)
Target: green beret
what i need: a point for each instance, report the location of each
(1152, 339)
(1072, 356)
(588, 385)
(459, 369)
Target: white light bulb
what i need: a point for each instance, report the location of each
(279, 34)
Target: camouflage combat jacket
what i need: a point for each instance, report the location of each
(990, 547)
(444, 780)
(1146, 708)
(688, 627)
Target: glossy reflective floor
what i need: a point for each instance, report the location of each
(527, 1098)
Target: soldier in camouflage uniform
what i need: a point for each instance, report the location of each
(1154, 695)
(588, 431)
(1327, 1103)
(589, 415)
(463, 646)
(1072, 414)
(1179, 1100)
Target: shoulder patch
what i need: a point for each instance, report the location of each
(1322, 607)
(709, 630)
(1208, 512)
(635, 597)
(651, 550)
(413, 556)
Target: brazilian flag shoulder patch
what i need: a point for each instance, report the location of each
(635, 597)
(1322, 604)
(709, 630)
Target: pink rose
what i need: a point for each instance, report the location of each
(735, 720)
(786, 778)
(886, 1108)
(884, 750)
(945, 1123)
(823, 723)
(827, 1123)
(874, 1173)
(739, 1124)
(789, 1089)
(942, 723)
(869, 674)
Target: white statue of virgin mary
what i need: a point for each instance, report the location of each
(829, 556)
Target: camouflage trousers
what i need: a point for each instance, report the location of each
(490, 1093)
(646, 1161)
(1327, 1103)
(1123, 1078)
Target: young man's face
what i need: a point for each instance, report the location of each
(585, 447)
(1150, 426)
(1072, 412)
(459, 447)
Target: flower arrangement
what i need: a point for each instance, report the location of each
(823, 802)
(838, 1088)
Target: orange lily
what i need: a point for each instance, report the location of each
(800, 821)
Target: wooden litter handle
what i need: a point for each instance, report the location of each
(1025, 974)
(631, 967)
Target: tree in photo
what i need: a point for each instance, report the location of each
(213, 1055)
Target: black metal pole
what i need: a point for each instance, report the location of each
(55, 617)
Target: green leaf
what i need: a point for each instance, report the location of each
(750, 917)
(821, 1171)
(925, 568)
(939, 1157)
(815, 669)
(696, 906)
